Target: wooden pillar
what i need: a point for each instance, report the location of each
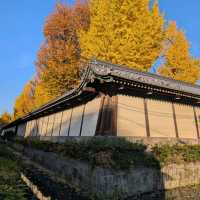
(107, 120)
(36, 127)
(70, 121)
(16, 129)
(175, 121)
(54, 116)
(146, 117)
(82, 118)
(61, 120)
(41, 125)
(196, 121)
(47, 127)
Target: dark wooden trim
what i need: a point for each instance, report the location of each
(82, 118)
(40, 126)
(31, 128)
(70, 121)
(146, 117)
(36, 127)
(24, 129)
(98, 126)
(42, 118)
(175, 121)
(60, 123)
(16, 129)
(115, 112)
(47, 126)
(107, 119)
(196, 121)
(54, 115)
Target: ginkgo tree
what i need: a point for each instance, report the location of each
(127, 32)
(57, 61)
(25, 101)
(179, 64)
(5, 118)
(124, 32)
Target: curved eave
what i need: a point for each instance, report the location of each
(101, 75)
(125, 75)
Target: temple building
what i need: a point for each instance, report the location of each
(113, 100)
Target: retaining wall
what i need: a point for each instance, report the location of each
(107, 183)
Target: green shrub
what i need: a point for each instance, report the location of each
(167, 154)
(117, 153)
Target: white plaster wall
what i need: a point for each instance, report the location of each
(90, 117)
(21, 130)
(44, 126)
(76, 121)
(50, 125)
(27, 132)
(131, 117)
(185, 121)
(161, 120)
(65, 122)
(57, 124)
(40, 123)
(33, 128)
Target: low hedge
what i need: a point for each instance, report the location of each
(115, 153)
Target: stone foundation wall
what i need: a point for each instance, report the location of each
(107, 183)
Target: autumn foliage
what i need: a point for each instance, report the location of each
(124, 32)
(129, 32)
(179, 64)
(5, 118)
(25, 101)
(58, 58)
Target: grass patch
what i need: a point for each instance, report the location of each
(11, 187)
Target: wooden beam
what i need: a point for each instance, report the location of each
(82, 118)
(61, 120)
(54, 116)
(47, 126)
(16, 129)
(37, 129)
(175, 121)
(107, 120)
(146, 117)
(70, 122)
(196, 121)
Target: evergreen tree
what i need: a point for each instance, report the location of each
(179, 64)
(124, 32)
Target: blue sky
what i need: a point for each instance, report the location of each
(21, 24)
